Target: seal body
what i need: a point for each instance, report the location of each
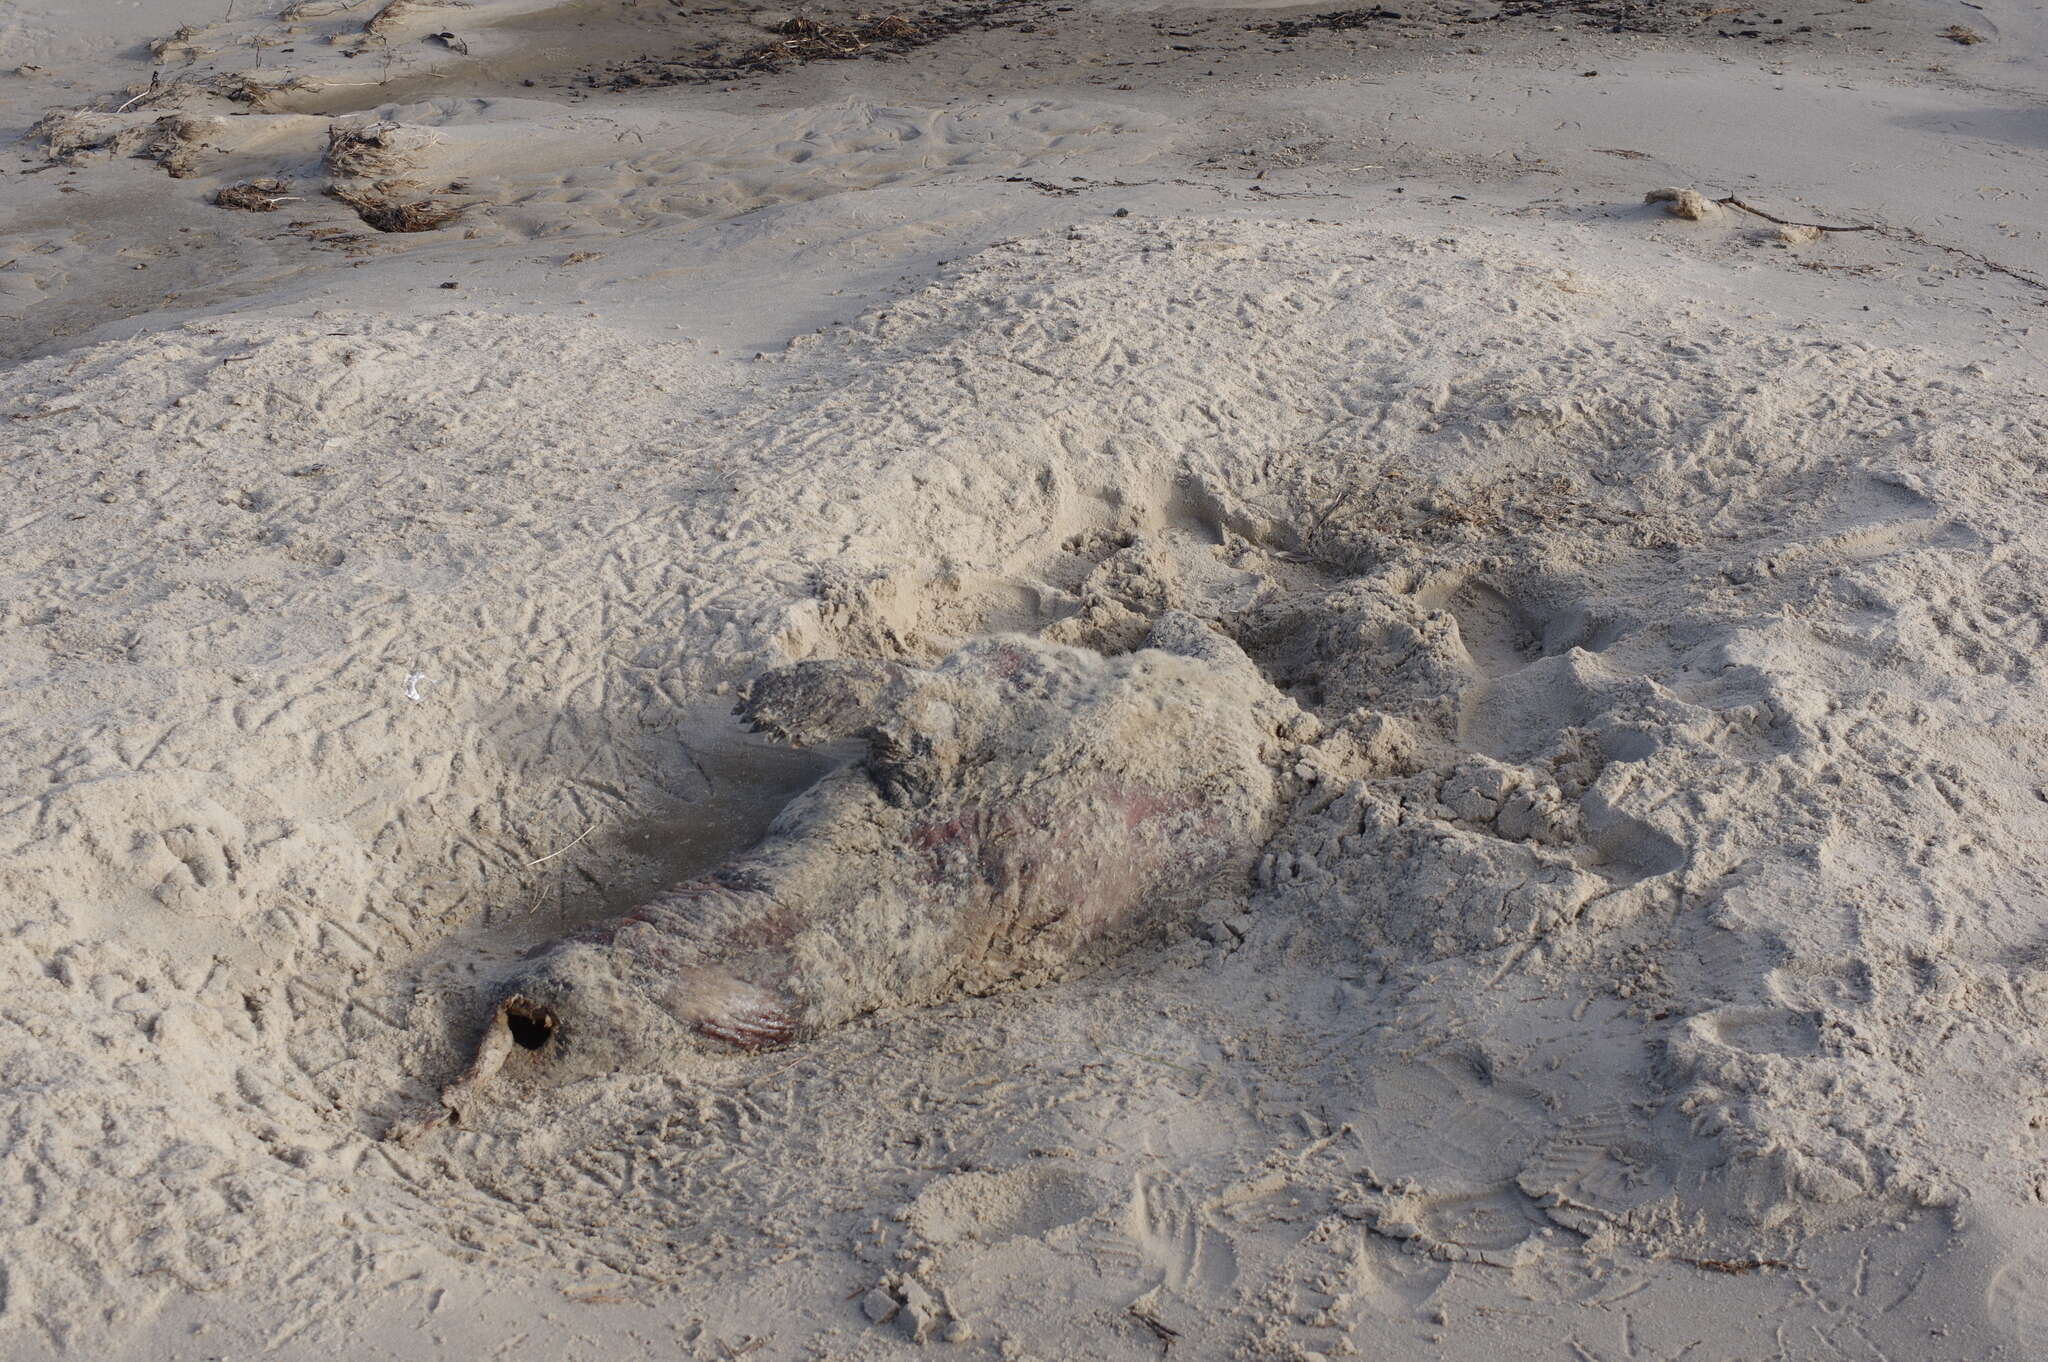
(1024, 810)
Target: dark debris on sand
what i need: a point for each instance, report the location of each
(386, 211)
(1335, 20)
(804, 39)
(1613, 16)
(880, 35)
(253, 196)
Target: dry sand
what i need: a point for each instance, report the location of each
(1652, 959)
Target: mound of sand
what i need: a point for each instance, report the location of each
(1666, 867)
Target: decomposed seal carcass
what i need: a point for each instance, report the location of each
(1023, 811)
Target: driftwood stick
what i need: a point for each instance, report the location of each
(1895, 234)
(1732, 202)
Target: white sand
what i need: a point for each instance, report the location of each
(1652, 966)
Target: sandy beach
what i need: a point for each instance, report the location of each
(1566, 479)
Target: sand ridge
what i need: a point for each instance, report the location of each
(1495, 623)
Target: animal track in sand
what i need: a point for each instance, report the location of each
(1160, 1238)
(1174, 1240)
(1440, 1143)
(2017, 1301)
(1871, 519)
(1602, 1165)
(986, 1208)
(1387, 1280)
(1758, 1030)
(1445, 1124)
(1489, 1226)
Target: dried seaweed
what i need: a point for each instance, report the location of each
(381, 206)
(178, 44)
(804, 39)
(244, 89)
(380, 23)
(1336, 20)
(359, 150)
(235, 88)
(175, 141)
(253, 196)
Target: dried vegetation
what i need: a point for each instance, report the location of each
(253, 196)
(386, 207)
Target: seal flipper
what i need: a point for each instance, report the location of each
(807, 704)
(722, 1007)
(884, 704)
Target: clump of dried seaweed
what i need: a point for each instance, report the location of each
(1335, 20)
(361, 150)
(173, 141)
(380, 24)
(235, 88)
(260, 94)
(178, 44)
(807, 39)
(253, 196)
(382, 21)
(385, 207)
(69, 135)
(804, 39)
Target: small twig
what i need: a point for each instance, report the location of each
(1264, 192)
(1908, 234)
(1732, 202)
(358, 84)
(552, 854)
(177, 1277)
(1153, 1059)
(1165, 1333)
(1895, 234)
(1733, 1267)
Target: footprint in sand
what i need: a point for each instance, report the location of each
(2017, 1301)
(1597, 1167)
(1161, 1239)
(988, 1208)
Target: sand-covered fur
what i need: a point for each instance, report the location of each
(1022, 812)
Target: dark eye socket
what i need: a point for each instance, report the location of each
(531, 1025)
